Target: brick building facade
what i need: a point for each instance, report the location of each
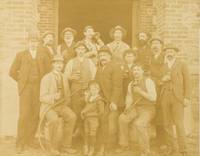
(175, 20)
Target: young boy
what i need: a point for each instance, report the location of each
(91, 114)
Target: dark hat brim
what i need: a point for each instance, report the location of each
(174, 48)
(156, 39)
(47, 33)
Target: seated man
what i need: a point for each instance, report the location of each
(55, 98)
(140, 108)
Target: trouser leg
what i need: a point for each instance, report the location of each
(69, 118)
(142, 123)
(24, 116)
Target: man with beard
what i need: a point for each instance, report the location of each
(93, 42)
(55, 93)
(118, 46)
(144, 50)
(27, 69)
(47, 46)
(66, 48)
(79, 71)
(174, 96)
(110, 78)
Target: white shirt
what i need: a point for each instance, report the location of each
(33, 53)
(170, 63)
(69, 67)
(151, 91)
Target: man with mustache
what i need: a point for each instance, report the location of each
(66, 48)
(118, 46)
(79, 71)
(110, 77)
(60, 119)
(27, 69)
(144, 50)
(174, 96)
(47, 46)
(140, 109)
(156, 63)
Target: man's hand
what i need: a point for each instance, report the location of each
(82, 114)
(186, 102)
(166, 78)
(75, 76)
(113, 106)
(137, 89)
(57, 96)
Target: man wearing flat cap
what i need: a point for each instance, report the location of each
(47, 46)
(118, 46)
(92, 41)
(79, 71)
(27, 69)
(55, 100)
(66, 48)
(174, 96)
(110, 77)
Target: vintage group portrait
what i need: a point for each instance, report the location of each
(99, 77)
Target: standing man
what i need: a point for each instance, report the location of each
(55, 93)
(66, 48)
(79, 71)
(140, 109)
(118, 46)
(27, 69)
(156, 63)
(47, 46)
(144, 52)
(110, 77)
(93, 42)
(129, 61)
(175, 95)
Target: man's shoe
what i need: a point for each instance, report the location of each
(184, 154)
(69, 150)
(121, 149)
(20, 149)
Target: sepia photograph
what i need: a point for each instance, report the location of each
(99, 77)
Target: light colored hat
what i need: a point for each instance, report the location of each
(57, 57)
(80, 43)
(46, 33)
(74, 32)
(156, 37)
(105, 49)
(118, 27)
(170, 46)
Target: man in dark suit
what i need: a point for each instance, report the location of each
(47, 46)
(174, 96)
(110, 77)
(27, 69)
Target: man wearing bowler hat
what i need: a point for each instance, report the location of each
(55, 93)
(66, 48)
(118, 46)
(110, 77)
(174, 96)
(27, 69)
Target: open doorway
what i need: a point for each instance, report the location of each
(101, 14)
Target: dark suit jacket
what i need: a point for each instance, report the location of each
(20, 67)
(180, 79)
(111, 81)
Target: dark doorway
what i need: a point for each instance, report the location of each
(101, 14)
